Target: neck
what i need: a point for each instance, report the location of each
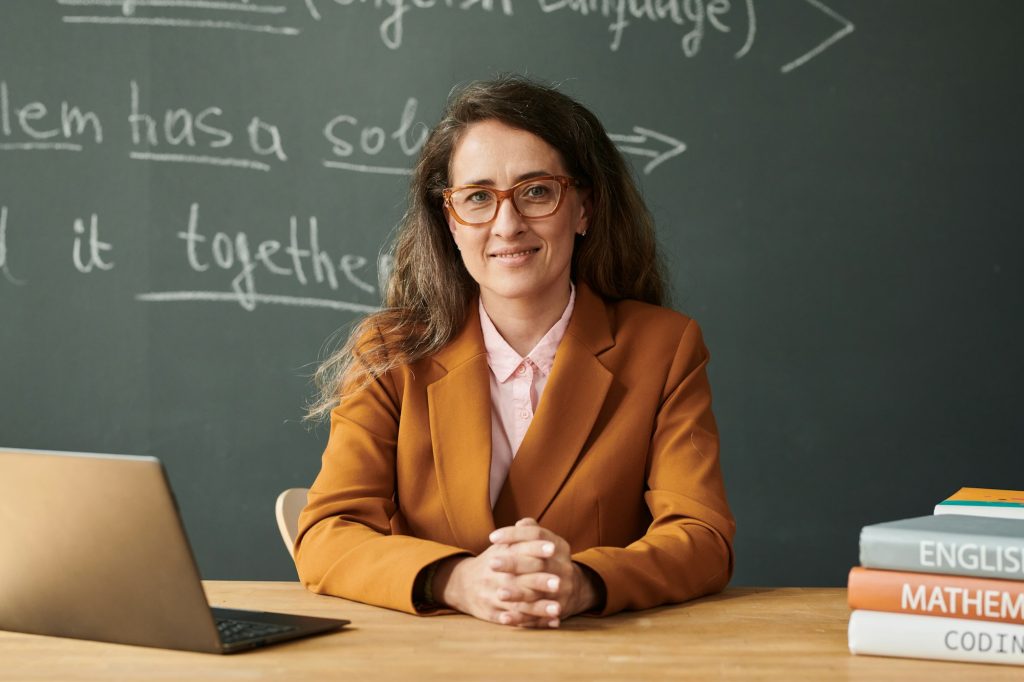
(522, 322)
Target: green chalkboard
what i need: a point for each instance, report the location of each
(195, 196)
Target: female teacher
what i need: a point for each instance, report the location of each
(522, 433)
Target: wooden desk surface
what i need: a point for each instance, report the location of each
(741, 634)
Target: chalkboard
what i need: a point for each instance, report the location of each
(195, 197)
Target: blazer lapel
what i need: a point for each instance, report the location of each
(459, 406)
(567, 412)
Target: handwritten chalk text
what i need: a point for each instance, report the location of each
(410, 135)
(33, 126)
(3, 250)
(181, 129)
(301, 258)
(94, 259)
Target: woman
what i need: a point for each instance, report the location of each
(522, 433)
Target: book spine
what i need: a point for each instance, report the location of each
(948, 553)
(952, 639)
(930, 594)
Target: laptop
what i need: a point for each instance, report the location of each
(92, 547)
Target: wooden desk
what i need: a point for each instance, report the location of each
(742, 634)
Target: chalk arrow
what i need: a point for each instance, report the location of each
(846, 30)
(626, 143)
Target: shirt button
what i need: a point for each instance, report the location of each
(523, 414)
(521, 370)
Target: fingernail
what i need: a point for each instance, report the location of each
(495, 564)
(552, 583)
(503, 595)
(505, 618)
(548, 548)
(496, 536)
(552, 609)
(553, 623)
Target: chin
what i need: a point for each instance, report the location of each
(524, 288)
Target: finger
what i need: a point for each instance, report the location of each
(520, 593)
(518, 564)
(526, 522)
(530, 587)
(518, 619)
(543, 549)
(539, 583)
(517, 533)
(542, 608)
(541, 623)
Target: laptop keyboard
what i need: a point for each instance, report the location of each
(232, 631)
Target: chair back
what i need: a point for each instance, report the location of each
(289, 504)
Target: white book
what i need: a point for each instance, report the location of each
(953, 639)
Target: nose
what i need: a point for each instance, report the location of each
(508, 224)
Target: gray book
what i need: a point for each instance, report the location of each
(950, 543)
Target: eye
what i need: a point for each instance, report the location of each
(536, 191)
(479, 197)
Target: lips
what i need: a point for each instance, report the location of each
(517, 253)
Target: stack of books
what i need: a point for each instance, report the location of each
(948, 586)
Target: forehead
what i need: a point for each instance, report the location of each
(492, 151)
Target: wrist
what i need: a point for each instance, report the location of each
(587, 595)
(445, 583)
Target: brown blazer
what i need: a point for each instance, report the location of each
(621, 460)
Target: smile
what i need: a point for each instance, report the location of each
(515, 254)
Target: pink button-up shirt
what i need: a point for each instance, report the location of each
(516, 386)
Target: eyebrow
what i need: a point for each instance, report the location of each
(487, 182)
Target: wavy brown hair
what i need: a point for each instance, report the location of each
(429, 289)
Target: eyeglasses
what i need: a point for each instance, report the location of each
(532, 198)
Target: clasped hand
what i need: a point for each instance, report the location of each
(525, 578)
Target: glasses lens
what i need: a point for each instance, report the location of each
(474, 205)
(537, 198)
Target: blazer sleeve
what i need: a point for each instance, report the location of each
(687, 550)
(345, 546)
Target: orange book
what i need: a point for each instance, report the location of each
(933, 594)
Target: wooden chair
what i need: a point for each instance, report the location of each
(289, 504)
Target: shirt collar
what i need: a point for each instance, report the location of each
(503, 359)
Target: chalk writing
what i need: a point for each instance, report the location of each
(128, 6)
(697, 19)
(694, 15)
(392, 27)
(641, 136)
(96, 247)
(32, 126)
(183, 129)
(409, 134)
(3, 250)
(128, 15)
(302, 259)
(181, 135)
(751, 31)
(220, 296)
(846, 30)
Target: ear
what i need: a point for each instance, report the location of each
(586, 210)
